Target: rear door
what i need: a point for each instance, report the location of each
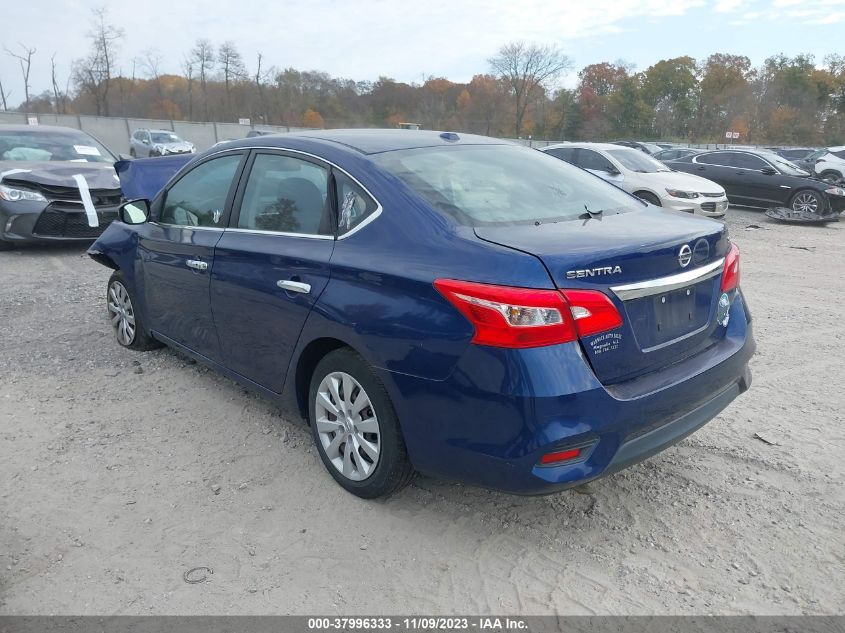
(272, 263)
(177, 251)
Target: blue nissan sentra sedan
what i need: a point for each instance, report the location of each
(436, 302)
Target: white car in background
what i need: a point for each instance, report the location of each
(829, 164)
(645, 177)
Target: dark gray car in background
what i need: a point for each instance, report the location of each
(56, 185)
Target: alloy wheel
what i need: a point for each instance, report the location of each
(121, 313)
(347, 426)
(806, 202)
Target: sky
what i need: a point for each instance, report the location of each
(411, 40)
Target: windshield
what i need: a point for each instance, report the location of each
(483, 185)
(637, 161)
(47, 145)
(816, 154)
(784, 165)
(164, 137)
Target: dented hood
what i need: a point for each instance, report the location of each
(60, 173)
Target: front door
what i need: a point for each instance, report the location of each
(177, 253)
(272, 264)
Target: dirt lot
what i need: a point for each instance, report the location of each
(111, 463)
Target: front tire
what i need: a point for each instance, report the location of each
(807, 201)
(648, 197)
(129, 329)
(132, 152)
(355, 427)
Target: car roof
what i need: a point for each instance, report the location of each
(41, 128)
(838, 148)
(375, 141)
(599, 146)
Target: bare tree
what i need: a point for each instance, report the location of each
(528, 69)
(25, 61)
(232, 67)
(59, 97)
(150, 62)
(93, 74)
(203, 60)
(262, 77)
(188, 67)
(3, 96)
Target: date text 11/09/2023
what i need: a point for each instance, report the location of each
(417, 623)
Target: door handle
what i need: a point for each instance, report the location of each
(294, 286)
(196, 264)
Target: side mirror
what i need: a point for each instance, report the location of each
(134, 211)
(146, 141)
(769, 171)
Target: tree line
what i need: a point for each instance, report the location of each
(786, 100)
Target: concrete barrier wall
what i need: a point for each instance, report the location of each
(114, 132)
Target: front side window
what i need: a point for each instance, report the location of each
(286, 194)
(748, 161)
(199, 197)
(495, 185)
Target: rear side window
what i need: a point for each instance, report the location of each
(563, 153)
(588, 159)
(839, 154)
(199, 197)
(721, 158)
(287, 195)
(353, 204)
(494, 185)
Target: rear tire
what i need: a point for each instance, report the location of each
(129, 328)
(648, 197)
(355, 427)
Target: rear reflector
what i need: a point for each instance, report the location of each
(730, 276)
(561, 456)
(505, 316)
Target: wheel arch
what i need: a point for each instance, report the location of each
(306, 363)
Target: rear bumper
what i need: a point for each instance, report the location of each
(489, 423)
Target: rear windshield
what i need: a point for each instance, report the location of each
(47, 145)
(484, 185)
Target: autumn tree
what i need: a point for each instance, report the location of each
(528, 69)
(312, 118)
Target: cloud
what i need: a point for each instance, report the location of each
(731, 6)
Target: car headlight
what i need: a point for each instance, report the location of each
(677, 193)
(14, 195)
(835, 191)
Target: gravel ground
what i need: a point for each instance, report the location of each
(121, 471)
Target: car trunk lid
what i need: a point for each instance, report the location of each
(661, 269)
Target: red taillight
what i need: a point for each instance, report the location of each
(730, 277)
(560, 456)
(504, 316)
